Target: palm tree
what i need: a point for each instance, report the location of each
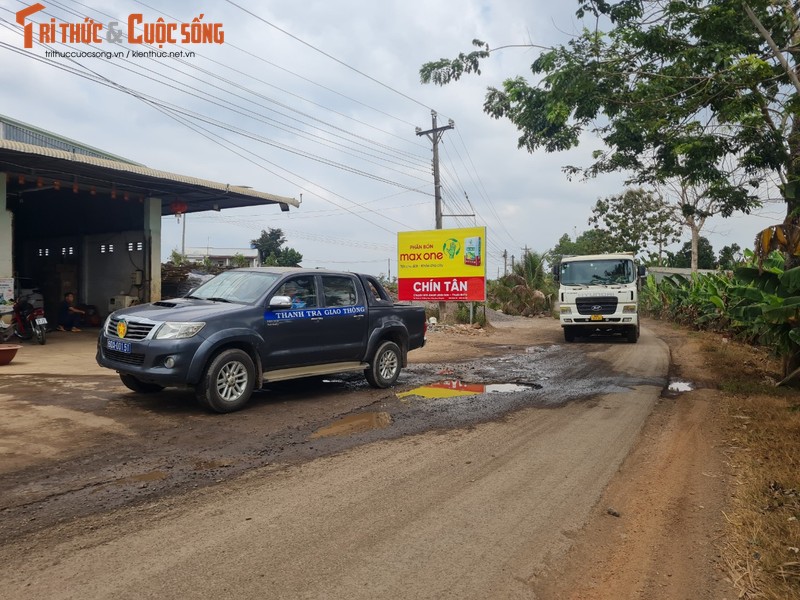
(527, 290)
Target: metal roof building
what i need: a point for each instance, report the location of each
(78, 219)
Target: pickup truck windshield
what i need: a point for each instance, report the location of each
(597, 272)
(236, 286)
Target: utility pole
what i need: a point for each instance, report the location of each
(183, 235)
(434, 134)
(505, 263)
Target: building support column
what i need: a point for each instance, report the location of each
(6, 232)
(152, 242)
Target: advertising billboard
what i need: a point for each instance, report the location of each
(442, 265)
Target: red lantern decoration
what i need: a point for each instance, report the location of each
(178, 208)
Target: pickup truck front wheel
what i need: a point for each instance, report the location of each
(384, 369)
(227, 382)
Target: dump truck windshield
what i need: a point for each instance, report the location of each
(597, 272)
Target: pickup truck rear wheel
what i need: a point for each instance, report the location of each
(227, 382)
(384, 369)
(139, 386)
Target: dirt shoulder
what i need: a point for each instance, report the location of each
(707, 504)
(659, 530)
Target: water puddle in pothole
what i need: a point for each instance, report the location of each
(678, 386)
(354, 424)
(454, 388)
(143, 477)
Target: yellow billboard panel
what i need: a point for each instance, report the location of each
(442, 264)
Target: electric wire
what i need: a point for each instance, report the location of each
(238, 109)
(333, 58)
(452, 197)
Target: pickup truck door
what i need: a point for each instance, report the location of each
(292, 335)
(327, 322)
(344, 322)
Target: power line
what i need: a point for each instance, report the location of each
(333, 58)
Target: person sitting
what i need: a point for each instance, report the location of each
(69, 316)
(292, 292)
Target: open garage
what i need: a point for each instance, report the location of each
(74, 218)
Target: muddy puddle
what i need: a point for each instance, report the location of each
(452, 388)
(353, 424)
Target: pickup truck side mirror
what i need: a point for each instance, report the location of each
(278, 302)
(642, 271)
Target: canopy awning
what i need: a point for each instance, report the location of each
(28, 165)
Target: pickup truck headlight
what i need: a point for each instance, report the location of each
(629, 308)
(566, 310)
(177, 331)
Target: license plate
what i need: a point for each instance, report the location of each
(119, 346)
(596, 317)
(41, 321)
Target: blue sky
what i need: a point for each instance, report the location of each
(320, 100)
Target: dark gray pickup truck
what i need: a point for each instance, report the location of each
(248, 327)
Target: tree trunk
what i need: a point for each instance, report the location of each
(791, 368)
(695, 244)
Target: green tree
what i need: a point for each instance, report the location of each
(207, 264)
(289, 257)
(592, 241)
(705, 256)
(636, 220)
(730, 257)
(178, 259)
(527, 290)
(685, 90)
(240, 260)
(271, 251)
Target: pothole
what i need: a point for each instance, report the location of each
(352, 424)
(452, 388)
(143, 478)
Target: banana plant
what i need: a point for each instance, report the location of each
(768, 305)
(760, 303)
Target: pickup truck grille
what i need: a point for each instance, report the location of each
(136, 331)
(121, 357)
(597, 305)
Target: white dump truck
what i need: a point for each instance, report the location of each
(599, 294)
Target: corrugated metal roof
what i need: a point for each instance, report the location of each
(198, 194)
(211, 251)
(17, 131)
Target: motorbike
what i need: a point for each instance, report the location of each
(7, 325)
(29, 321)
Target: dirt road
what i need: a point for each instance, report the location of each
(507, 507)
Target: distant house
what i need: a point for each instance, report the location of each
(222, 257)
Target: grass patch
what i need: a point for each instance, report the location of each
(763, 547)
